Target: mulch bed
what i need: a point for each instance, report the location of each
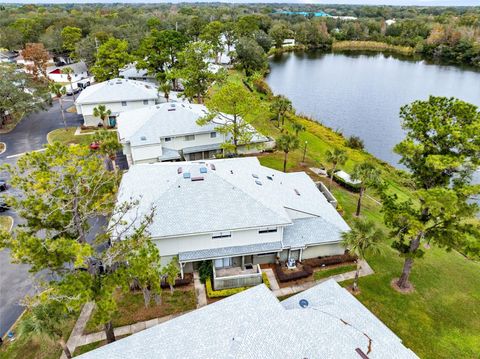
(408, 290)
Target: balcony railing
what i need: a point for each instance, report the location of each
(234, 277)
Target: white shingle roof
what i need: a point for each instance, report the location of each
(238, 194)
(117, 90)
(254, 324)
(310, 231)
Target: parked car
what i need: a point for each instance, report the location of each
(83, 84)
(3, 185)
(75, 90)
(4, 206)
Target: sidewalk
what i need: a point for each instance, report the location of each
(366, 270)
(76, 335)
(199, 290)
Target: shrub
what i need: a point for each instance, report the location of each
(286, 277)
(205, 270)
(330, 260)
(178, 282)
(355, 142)
(211, 293)
(265, 279)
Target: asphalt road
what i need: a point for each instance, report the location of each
(29, 135)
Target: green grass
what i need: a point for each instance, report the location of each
(132, 310)
(35, 347)
(89, 347)
(5, 223)
(325, 273)
(68, 137)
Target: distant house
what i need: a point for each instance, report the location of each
(325, 321)
(118, 95)
(233, 212)
(131, 72)
(390, 22)
(169, 132)
(288, 43)
(80, 72)
(20, 60)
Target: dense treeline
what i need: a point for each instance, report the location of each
(447, 34)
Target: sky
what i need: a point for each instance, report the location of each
(366, 2)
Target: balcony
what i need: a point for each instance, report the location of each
(234, 277)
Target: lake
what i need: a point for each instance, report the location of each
(361, 94)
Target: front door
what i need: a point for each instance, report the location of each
(223, 262)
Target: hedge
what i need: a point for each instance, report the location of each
(330, 260)
(178, 282)
(286, 277)
(211, 293)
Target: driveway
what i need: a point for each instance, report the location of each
(29, 135)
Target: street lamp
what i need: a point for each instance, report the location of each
(304, 151)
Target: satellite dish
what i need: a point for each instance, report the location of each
(303, 303)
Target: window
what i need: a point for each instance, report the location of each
(223, 262)
(190, 138)
(268, 230)
(221, 235)
(168, 139)
(213, 134)
(145, 102)
(124, 103)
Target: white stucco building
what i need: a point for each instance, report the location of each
(234, 212)
(80, 72)
(169, 132)
(118, 95)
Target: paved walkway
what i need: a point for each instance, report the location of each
(76, 335)
(364, 271)
(272, 279)
(199, 290)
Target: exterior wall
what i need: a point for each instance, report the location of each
(146, 154)
(116, 107)
(323, 250)
(263, 259)
(245, 280)
(173, 245)
(64, 77)
(164, 260)
(201, 139)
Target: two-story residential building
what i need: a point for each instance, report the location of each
(233, 212)
(169, 132)
(57, 74)
(118, 95)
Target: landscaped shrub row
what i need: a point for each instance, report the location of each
(330, 260)
(285, 277)
(265, 279)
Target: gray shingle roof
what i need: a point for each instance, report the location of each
(117, 90)
(227, 198)
(254, 324)
(308, 231)
(229, 251)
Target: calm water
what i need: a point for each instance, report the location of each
(362, 94)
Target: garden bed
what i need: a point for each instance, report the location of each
(330, 260)
(284, 274)
(131, 308)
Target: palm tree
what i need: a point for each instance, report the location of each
(166, 87)
(287, 143)
(364, 237)
(297, 128)
(335, 157)
(369, 176)
(69, 71)
(109, 145)
(45, 320)
(59, 91)
(280, 106)
(102, 112)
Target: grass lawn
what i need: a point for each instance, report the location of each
(5, 223)
(34, 347)
(89, 347)
(68, 136)
(325, 273)
(131, 308)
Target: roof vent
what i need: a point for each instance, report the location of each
(296, 191)
(270, 178)
(199, 178)
(203, 169)
(231, 172)
(258, 182)
(212, 166)
(361, 353)
(179, 170)
(186, 175)
(143, 138)
(303, 303)
(254, 175)
(172, 107)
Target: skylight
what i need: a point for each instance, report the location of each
(254, 175)
(203, 169)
